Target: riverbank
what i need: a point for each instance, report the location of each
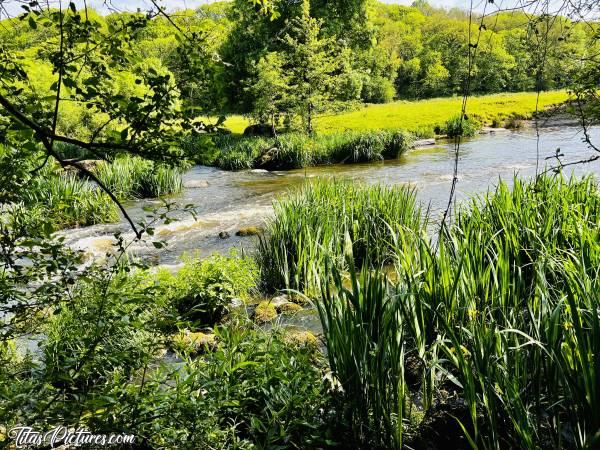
(373, 133)
(218, 335)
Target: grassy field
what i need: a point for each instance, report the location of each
(419, 115)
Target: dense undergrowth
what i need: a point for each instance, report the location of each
(486, 338)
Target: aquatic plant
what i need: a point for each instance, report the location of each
(310, 223)
(504, 310)
(297, 150)
(135, 177)
(365, 349)
(162, 180)
(467, 127)
(70, 201)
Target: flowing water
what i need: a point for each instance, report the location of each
(228, 201)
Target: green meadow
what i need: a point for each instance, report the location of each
(419, 115)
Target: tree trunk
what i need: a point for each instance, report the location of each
(273, 129)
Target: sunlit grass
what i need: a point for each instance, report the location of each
(424, 114)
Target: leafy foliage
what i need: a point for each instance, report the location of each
(310, 224)
(201, 292)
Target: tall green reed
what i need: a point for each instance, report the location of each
(71, 201)
(310, 223)
(506, 308)
(365, 348)
(134, 177)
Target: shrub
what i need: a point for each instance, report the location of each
(239, 152)
(424, 132)
(296, 150)
(254, 390)
(513, 123)
(397, 143)
(378, 90)
(100, 332)
(468, 127)
(201, 292)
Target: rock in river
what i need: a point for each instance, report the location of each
(196, 184)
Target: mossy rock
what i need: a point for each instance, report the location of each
(289, 308)
(249, 231)
(300, 300)
(265, 312)
(194, 343)
(302, 339)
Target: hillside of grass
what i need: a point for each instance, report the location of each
(424, 114)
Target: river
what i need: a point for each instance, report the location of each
(228, 201)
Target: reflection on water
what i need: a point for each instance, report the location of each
(231, 201)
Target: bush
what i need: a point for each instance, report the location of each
(201, 292)
(378, 90)
(468, 127)
(78, 354)
(253, 391)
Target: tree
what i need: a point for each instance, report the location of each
(270, 91)
(312, 66)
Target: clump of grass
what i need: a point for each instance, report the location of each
(310, 223)
(297, 150)
(239, 152)
(134, 177)
(70, 201)
(467, 127)
(68, 151)
(162, 180)
(513, 123)
(365, 348)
